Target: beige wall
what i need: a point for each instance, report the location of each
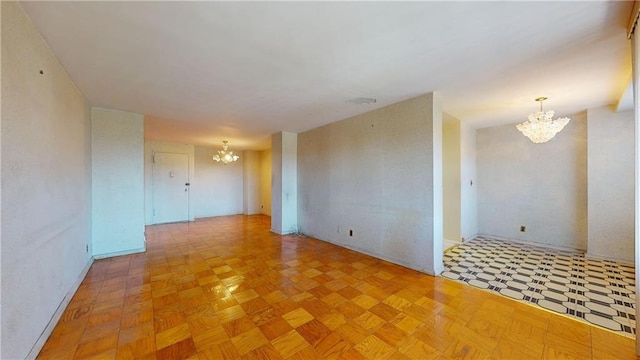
(216, 189)
(375, 174)
(468, 183)
(540, 186)
(610, 181)
(265, 182)
(575, 191)
(46, 187)
(117, 162)
(635, 48)
(251, 182)
(451, 177)
(459, 180)
(284, 183)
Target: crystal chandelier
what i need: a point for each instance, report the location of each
(224, 155)
(541, 127)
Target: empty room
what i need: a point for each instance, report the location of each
(318, 180)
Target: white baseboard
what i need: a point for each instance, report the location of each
(449, 244)
(609, 258)
(42, 339)
(533, 243)
(470, 237)
(281, 233)
(120, 253)
(437, 271)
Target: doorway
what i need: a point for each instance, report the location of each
(170, 187)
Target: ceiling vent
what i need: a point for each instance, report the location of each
(362, 100)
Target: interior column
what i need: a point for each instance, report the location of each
(284, 184)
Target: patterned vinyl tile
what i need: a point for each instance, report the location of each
(599, 292)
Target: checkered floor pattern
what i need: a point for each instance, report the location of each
(599, 292)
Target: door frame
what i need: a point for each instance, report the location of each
(151, 147)
(153, 180)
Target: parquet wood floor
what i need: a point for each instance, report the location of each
(227, 288)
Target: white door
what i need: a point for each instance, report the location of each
(170, 187)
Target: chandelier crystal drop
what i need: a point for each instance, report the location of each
(541, 127)
(224, 155)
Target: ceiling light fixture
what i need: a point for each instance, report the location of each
(224, 155)
(541, 127)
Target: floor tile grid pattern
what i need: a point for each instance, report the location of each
(599, 292)
(227, 288)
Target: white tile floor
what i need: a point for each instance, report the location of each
(599, 292)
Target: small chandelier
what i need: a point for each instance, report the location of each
(224, 155)
(541, 127)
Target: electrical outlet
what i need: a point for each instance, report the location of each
(523, 228)
(87, 248)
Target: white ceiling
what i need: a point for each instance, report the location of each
(202, 72)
